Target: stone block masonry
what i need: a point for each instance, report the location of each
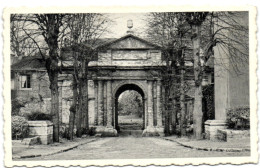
(229, 135)
(212, 127)
(43, 129)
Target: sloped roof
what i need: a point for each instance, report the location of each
(29, 63)
(109, 43)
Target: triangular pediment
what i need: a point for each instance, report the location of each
(130, 42)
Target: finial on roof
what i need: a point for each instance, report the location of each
(130, 26)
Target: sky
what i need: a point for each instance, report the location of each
(119, 26)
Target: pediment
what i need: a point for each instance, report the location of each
(131, 42)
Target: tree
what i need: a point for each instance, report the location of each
(221, 30)
(46, 28)
(170, 30)
(84, 32)
(130, 103)
(195, 19)
(208, 31)
(21, 44)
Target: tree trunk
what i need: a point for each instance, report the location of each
(174, 117)
(73, 109)
(85, 100)
(197, 111)
(173, 101)
(80, 109)
(182, 99)
(55, 105)
(167, 111)
(53, 70)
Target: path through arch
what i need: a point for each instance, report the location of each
(129, 122)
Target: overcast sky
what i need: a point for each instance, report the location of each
(119, 27)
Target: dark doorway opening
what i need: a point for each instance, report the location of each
(129, 110)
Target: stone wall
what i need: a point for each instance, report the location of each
(36, 105)
(43, 129)
(36, 98)
(212, 127)
(231, 76)
(39, 85)
(228, 135)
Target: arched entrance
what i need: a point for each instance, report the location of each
(125, 124)
(127, 63)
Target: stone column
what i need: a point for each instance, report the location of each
(116, 114)
(105, 103)
(96, 102)
(159, 109)
(146, 113)
(154, 103)
(60, 83)
(100, 102)
(150, 103)
(109, 103)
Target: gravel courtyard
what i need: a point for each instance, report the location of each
(130, 147)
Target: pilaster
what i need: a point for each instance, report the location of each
(159, 109)
(100, 102)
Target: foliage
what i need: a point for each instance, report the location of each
(130, 103)
(37, 116)
(16, 105)
(64, 130)
(238, 118)
(208, 102)
(20, 127)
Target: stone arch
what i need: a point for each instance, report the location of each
(120, 88)
(130, 82)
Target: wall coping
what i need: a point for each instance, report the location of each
(216, 123)
(232, 131)
(40, 123)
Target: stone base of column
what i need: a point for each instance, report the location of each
(105, 131)
(211, 128)
(153, 131)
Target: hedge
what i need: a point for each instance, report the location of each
(20, 127)
(238, 118)
(37, 116)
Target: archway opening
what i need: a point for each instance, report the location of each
(129, 111)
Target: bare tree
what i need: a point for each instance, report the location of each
(215, 30)
(208, 31)
(170, 31)
(83, 36)
(195, 19)
(21, 44)
(44, 30)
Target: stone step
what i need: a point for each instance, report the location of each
(134, 133)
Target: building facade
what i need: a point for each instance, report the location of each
(127, 63)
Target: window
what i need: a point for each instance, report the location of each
(25, 81)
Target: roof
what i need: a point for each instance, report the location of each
(109, 43)
(29, 63)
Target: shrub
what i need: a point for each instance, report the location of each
(16, 105)
(238, 118)
(37, 116)
(20, 127)
(64, 131)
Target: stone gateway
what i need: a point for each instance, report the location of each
(127, 63)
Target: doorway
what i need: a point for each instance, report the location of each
(129, 110)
